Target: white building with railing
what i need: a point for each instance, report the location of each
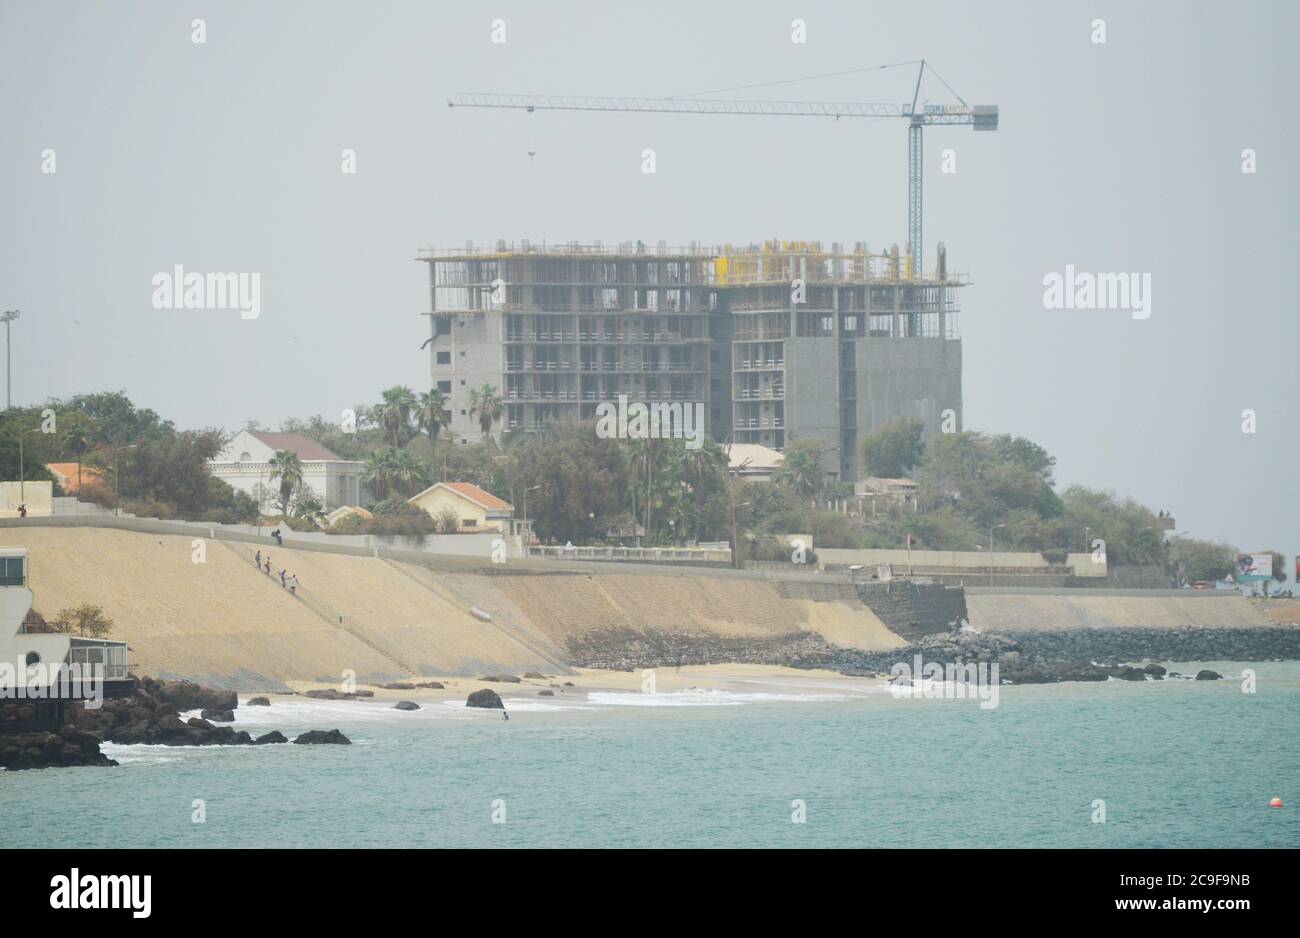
(34, 665)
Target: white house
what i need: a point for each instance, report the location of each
(245, 464)
(475, 509)
(753, 462)
(35, 667)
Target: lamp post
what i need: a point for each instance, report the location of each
(735, 541)
(117, 451)
(992, 528)
(527, 535)
(7, 317)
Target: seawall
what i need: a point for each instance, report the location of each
(224, 623)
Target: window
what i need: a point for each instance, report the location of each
(469, 522)
(444, 358)
(444, 387)
(245, 456)
(11, 571)
(715, 356)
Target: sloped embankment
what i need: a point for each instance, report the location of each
(225, 624)
(622, 621)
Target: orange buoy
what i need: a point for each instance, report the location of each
(1275, 803)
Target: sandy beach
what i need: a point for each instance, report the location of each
(732, 678)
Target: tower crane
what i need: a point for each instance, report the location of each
(982, 117)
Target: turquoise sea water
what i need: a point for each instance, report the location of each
(1187, 764)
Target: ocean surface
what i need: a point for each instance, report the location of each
(1177, 764)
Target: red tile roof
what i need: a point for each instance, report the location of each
(66, 473)
(477, 495)
(305, 447)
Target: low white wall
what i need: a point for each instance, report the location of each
(1081, 564)
(38, 496)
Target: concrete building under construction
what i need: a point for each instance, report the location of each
(781, 341)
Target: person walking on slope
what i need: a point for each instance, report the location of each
(257, 559)
(283, 582)
(267, 567)
(293, 584)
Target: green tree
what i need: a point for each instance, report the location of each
(308, 507)
(116, 420)
(1196, 559)
(399, 404)
(433, 414)
(580, 479)
(1024, 453)
(381, 472)
(287, 468)
(409, 474)
(20, 436)
(86, 620)
(801, 469)
(486, 404)
(170, 475)
(895, 449)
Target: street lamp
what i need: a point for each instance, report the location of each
(992, 528)
(7, 317)
(527, 537)
(117, 509)
(735, 542)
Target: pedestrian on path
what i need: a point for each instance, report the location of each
(293, 584)
(283, 582)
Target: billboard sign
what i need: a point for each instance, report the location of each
(1254, 567)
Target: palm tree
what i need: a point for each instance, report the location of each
(380, 472)
(78, 442)
(286, 467)
(409, 475)
(399, 403)
(432, 414)
(486, 404)
(801, 469)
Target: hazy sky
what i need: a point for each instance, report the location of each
(225, 156)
